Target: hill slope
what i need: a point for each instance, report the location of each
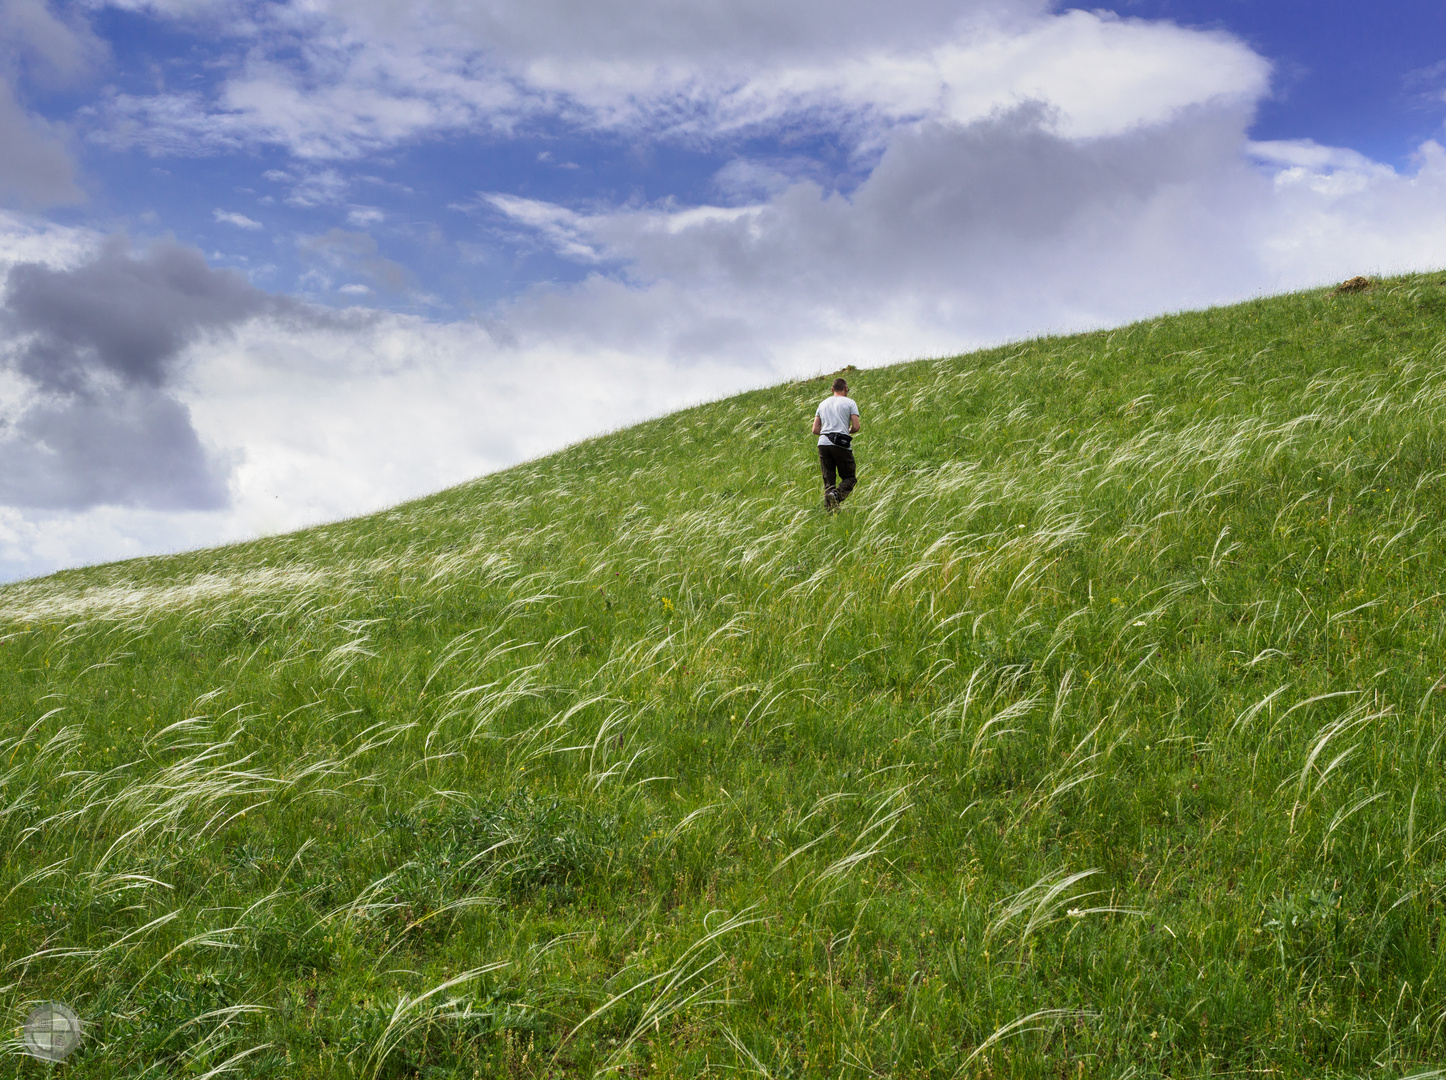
(1100, 731)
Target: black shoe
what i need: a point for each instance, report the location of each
(830, 500)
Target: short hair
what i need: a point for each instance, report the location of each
(840, 384)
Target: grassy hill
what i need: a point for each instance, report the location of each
(1099, 735)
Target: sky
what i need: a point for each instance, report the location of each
(265, 265)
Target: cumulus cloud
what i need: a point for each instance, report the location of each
(120, 445)
(94, 349)
(123, 316)
(962, 233)
(972, 233)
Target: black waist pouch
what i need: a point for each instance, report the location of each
(839, 439)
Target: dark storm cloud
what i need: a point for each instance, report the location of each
(122, 315)
(98, 346)
(127, 446)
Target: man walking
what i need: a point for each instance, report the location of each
(836, 423)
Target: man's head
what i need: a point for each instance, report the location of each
(840, 386)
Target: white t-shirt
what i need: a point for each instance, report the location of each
(835, 413)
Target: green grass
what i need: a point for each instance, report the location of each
(1099, 735)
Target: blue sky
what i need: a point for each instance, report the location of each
(1367, 77)
(268, 264)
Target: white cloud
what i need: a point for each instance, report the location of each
(34, 542)
(966, 234)
(666, 34)
(364, 96)
(180, 124)
(1103, 74)
(1358, 219)
(1098, 73)
(241, 221)
(27, 238)
(342, 80)
(313, 85)
(560, 228)
(174, 8)
(55, 51)
(317, 188)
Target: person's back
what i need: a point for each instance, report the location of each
(836, 422)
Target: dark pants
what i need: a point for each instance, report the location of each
(837, 460)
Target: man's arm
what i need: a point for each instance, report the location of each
(853, 424)
(817, 424)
